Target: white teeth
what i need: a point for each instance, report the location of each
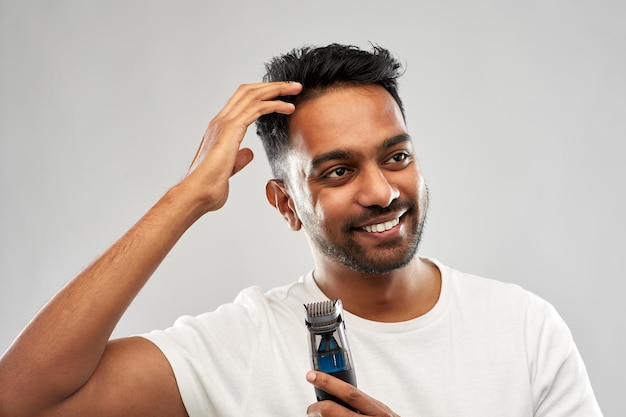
(381, 227)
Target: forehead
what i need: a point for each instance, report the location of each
(352, 117)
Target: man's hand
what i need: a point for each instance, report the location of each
(63, 364)
(351, 395)
(219, 155)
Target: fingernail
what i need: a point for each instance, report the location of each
(310, 376)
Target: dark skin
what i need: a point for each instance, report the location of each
(63, 363)
(351, 151)
(366, 405)
(367, 161)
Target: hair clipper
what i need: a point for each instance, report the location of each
(329, 346)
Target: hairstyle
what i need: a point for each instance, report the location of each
(319, 69)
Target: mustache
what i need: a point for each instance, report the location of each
(373, 212)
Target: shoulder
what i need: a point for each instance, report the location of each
(520, 322)
(472, 289)
(251, 309)
(487, 300)
(507, 309)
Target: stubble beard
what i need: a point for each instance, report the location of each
(387, 257)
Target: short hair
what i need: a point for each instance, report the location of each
(319, 69)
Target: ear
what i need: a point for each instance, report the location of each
(278, 196)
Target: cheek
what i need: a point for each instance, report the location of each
(330, 206)
(410, 182)
(421, 184)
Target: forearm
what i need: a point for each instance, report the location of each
(61, 347)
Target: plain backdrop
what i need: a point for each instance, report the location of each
(517, 109)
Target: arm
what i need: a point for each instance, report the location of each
(62, 363)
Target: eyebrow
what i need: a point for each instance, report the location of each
(395, 140)
(341, 154)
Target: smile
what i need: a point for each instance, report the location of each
(381, 227)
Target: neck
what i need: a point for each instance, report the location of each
(400, 295)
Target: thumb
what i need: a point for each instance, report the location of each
(243, 158)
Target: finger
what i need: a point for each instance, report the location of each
(349, 394)
(329, 409)
(230, 130)
(243, 158)
(334, 386)
(249, 102)
(254, 105)
(247, 106)
(248, 113)
(247, 93)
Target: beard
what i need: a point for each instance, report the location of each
(383, 258)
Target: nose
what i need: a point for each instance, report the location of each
(375, 189)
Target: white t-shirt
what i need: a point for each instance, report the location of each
(486, 349)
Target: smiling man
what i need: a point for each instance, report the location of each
(426, 340)
(357, 191)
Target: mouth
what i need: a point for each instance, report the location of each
(381, 227)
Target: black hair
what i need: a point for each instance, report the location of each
(319, 69)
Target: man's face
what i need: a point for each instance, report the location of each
(355, 181)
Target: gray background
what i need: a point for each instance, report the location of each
(517, 109)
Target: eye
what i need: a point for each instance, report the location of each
(399, 159)
(400, 156)
(337, 172)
